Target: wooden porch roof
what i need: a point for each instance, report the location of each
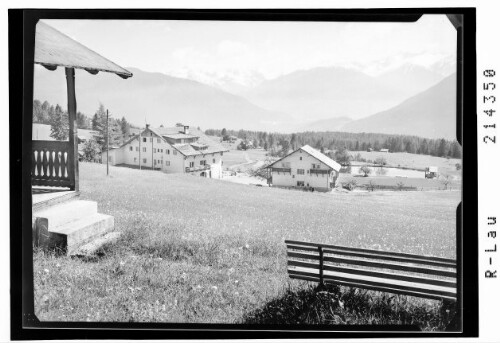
(53, 49)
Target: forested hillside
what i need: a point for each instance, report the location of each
(350, 141)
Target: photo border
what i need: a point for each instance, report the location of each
(25, 325)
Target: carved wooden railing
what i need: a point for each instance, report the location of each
(281, 170)
(198, 168)
(319, 171)
(52, 164)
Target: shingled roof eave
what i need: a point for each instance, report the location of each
(269, 166)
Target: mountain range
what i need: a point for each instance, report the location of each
(431, 114)
(319, 99)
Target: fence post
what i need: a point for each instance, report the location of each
(320, 248)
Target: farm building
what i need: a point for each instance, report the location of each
(172, 150)
(384, 150)
(305, 168)
(431, 172)
(41, 132)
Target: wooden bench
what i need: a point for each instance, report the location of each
(419, 276)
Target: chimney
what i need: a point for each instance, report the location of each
(186, 130)
(147, 126)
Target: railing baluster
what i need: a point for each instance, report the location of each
(33, 162)
(64, 170)
(45, 164)
(39, 163)
(57, 164)
(50, 163)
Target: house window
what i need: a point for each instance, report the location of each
(191, 164)
(300, 183)
(158, 140)
(213, 161)
(144, 139)
(144, 150)
(300, 171)
(175, 152)
(316, 166)
(131, 148)
(203, 162)
(168, 152)
(135, 159)
(222, 153)
(154, 149)
(154, 161)
(301, 158)
(167, 163)
(144, 160)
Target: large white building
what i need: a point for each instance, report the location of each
(173, 150)
(305, 167)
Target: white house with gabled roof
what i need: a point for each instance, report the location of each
(305, 167)
(171, 149)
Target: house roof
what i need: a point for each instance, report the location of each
(54, 49)
(179, 136)
(186, 149)
(41, 132)
(203, 140)
(86, 134)
(317, 155)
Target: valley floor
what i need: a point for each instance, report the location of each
(207, 251)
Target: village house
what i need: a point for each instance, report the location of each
(431, 172)
(176, 149)
(305, 167)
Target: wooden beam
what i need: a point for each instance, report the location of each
(73, 131)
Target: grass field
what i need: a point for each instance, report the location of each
(244, 160)
(417, 183)
(207, 251)
(403, 159)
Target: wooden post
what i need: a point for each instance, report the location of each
(73, 131)
(140, 138)
(320, 248)
(107, 142)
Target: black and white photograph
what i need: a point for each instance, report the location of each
(265, 173)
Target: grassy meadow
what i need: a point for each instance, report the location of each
(414, 161)
(207, 251)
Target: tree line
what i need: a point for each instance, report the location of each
(118, 130)
(280, 143)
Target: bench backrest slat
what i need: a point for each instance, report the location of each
(377, 257)
(374, 252)
(375, 286)
(404, 273)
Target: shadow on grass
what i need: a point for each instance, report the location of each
(334, 305)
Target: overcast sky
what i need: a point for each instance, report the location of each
(270, 48)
